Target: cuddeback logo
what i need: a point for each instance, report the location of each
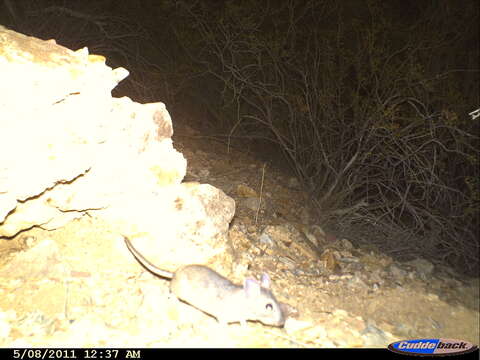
(437, 347)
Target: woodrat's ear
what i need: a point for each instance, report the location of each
(251, 287)
(266, 281)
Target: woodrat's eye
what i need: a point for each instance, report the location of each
(269, 307)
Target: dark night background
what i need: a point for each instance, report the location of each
(366, 102)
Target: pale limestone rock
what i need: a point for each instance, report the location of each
(67, 148)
